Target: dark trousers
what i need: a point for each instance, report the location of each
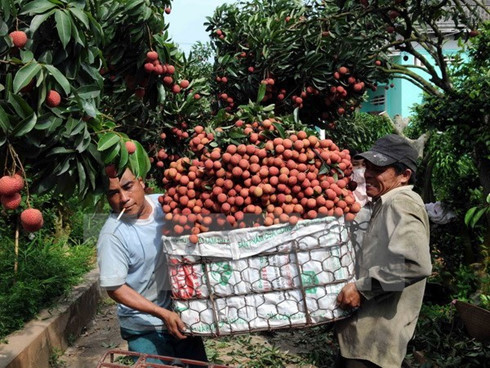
(164, 344)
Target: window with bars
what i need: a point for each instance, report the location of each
(378, 100)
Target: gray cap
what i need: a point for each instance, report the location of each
(389, 150)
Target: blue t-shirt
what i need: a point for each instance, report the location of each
(130, 252)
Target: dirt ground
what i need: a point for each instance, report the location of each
(102, 334)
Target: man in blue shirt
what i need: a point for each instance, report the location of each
(133, 270)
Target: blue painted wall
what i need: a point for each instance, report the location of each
(400, 94)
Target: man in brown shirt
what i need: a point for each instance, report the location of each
(393, 264)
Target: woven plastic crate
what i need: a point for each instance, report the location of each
(263, 278)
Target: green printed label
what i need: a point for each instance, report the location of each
(309, 278)
(221, 273)
(285, 317)
(263, 237)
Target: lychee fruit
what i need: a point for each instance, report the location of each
(111, 171)
(53, 99)
(152, 55)
(184, 83)
(10, 184)
(31, 219)
(20, 182)
(19, 38)
(140, 92)
(176, 88)
(149, 67)
(131, 147)
(11, 202)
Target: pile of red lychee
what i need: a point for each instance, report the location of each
(265, 182)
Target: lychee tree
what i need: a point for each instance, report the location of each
(321, 57)
(459, 145)
(74, 88)
(64, 69)
(300, 57)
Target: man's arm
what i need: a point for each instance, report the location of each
(349, 296)
(132, 299)
(409, 246)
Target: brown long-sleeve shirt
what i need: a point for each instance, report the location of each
(393, 265)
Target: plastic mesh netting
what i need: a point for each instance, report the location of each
(261, 278)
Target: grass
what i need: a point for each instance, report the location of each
(47, 270)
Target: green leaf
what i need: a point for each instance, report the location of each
(4, 120)
(79, 37)
(37, 7)
(107, 141)
(25, 74)
(237, 134)
(89, 168)
(60, 78)
(27, 56)
(82, 177)
(296, 115)
(123, 160)
(477, 216)
(46, 122)
(38, 20)
(469, 215)
(280, 129)
(261, 93)
(80, 15)
(110, 155)
(89, 107)
(324, 169)
(161, 93)
(139, 161)
(25, 126)
(133, 3)
(88, 91)
(21, 107)
(62, 167)
(83, 141)
(60, 151)
(63, 25)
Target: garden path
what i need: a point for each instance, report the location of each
(101, 334)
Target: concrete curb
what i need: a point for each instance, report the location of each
(52, 331)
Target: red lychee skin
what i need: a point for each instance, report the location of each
(131, 147)
(184, 83)
(111, 171)
(53, 99)
(152, 55)
(19, 38)
(10, 184)
(31, 219)
(11, 202)
(20, 182)
(149, 67)
(140, 93)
